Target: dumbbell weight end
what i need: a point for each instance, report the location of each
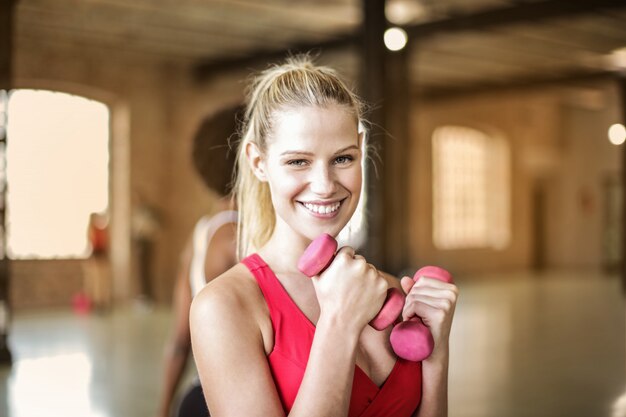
(411, 339)
(390, 311)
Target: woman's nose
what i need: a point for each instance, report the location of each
(323, 181)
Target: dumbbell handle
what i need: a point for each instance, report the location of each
(411, 339)
(320, 254)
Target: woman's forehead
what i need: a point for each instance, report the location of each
(310, 124)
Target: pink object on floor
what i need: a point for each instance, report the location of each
(81, 303)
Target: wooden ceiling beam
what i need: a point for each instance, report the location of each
(572, 78)
(501, 16)
(208, 68)
(519, 13)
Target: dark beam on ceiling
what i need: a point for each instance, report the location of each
(519, 13)
(434, 94)
(501, 16)
(209, 67)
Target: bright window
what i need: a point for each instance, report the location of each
(471, 189)
(57, 172)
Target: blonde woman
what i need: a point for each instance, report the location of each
(267, 340)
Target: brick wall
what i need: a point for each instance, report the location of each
(45, 283)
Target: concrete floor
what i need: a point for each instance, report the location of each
(523, 345)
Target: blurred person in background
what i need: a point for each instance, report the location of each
(210, 250)
(146, 223)
(96, 268)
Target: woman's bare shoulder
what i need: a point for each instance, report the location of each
(230, 299)
(235, 285)
(230, 334)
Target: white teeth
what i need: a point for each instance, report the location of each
(325, 209)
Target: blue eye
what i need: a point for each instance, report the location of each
(297, 162)
(344, 159)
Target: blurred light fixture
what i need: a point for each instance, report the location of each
(395, 39)
(618, 58)
(617, 134)
(402, 12)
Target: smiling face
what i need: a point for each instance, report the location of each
(313, 167)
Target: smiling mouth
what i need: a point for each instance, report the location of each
(323, 209)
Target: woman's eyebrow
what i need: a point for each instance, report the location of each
(347, 148)
(296, 153)
(306, 153)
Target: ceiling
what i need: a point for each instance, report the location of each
(454, 44)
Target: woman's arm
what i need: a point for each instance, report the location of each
(350, 293)
(179, 344)
(229, 351)
(434, 301)
(434, 387)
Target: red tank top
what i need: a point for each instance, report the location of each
(399, 395)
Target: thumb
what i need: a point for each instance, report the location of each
(407, 283)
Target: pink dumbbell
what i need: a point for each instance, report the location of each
(411, 339)
(321, 252)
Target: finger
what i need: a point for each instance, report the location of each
(416, 304)
(445, 301)
(433, 282)
(372, 267)
(347, 251)
(418, 310)
(447, 293)
(407, 283)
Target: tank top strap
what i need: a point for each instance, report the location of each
(278, 301)
(268, 283)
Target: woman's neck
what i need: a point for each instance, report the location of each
(283, 249)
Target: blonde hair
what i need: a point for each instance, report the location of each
(297, 82)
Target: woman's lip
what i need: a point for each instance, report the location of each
(322, 203)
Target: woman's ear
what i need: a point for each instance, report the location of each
(256, 161)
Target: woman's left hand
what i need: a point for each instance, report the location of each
(434, 302)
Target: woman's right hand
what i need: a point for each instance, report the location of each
(350, 289)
